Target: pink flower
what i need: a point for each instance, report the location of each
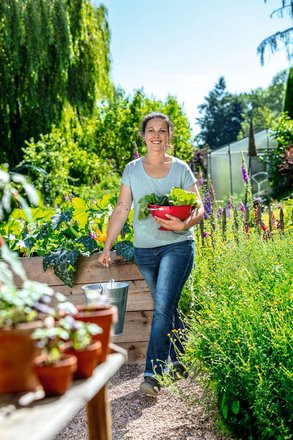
(135, 153)
(200, 179)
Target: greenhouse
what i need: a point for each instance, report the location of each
(224, 166)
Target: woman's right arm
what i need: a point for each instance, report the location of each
(116, 223)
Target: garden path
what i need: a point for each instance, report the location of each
(139, 417)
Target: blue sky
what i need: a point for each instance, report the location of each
(182, 47)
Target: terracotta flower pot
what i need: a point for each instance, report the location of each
(17, 352)
(104, 316)
(56, 378)
(87, 359)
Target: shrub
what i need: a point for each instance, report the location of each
(280, 160)
(240, 329)
(69, 168)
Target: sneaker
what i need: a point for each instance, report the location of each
(178, 372)
(150, 386)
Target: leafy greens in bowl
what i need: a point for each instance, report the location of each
(176, 197)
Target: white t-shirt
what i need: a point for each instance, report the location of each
(146, 231)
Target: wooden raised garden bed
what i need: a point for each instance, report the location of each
(139, 305)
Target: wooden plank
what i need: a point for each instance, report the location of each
(88, 270)
(139, 304)
(99, 416)
(135, 286)
(136, 300)
(137, 326)
(40, 420)
(136, 351)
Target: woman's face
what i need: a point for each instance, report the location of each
(156, 135)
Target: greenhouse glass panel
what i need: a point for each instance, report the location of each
(224, 166)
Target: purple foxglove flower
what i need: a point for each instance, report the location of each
(207, 204)
(205, 234)
(219, 212)
(241, 207)
(244, 170)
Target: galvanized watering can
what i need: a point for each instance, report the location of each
(109, 293)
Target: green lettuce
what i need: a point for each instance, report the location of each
(176, 197)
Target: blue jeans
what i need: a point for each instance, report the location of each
(165, 270)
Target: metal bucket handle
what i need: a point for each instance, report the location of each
(110, 282)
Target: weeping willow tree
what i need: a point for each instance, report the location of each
(51, 53)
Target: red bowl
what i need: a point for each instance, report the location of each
(181, 212)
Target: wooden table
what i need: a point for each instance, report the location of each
(30, 416)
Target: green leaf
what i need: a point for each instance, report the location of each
(58, 219)
(64, 263)
(224, 407)
(125, 249)
(90, 245)
(235, 407)
(179, 196)
(13, 260)
(81, 211)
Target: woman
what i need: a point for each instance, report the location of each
(165, 258)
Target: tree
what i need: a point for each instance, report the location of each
(51, 53)
(90, 157)
(288, 106)
(222, 117)
(285, 37)
(114, 131)
(280, 160)
(263, 105)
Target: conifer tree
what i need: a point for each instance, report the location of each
(288, 106)
(222, 117)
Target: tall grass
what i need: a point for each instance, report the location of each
(240, 330)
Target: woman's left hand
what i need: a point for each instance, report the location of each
(173, 224)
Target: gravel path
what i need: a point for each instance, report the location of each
(139, 417)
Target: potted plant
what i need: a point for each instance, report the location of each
(81, 344)
(53, 367)
(21, 312)
(104, 315)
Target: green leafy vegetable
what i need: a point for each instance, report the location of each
(125, 249)
(63, 262)
(176, 197)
